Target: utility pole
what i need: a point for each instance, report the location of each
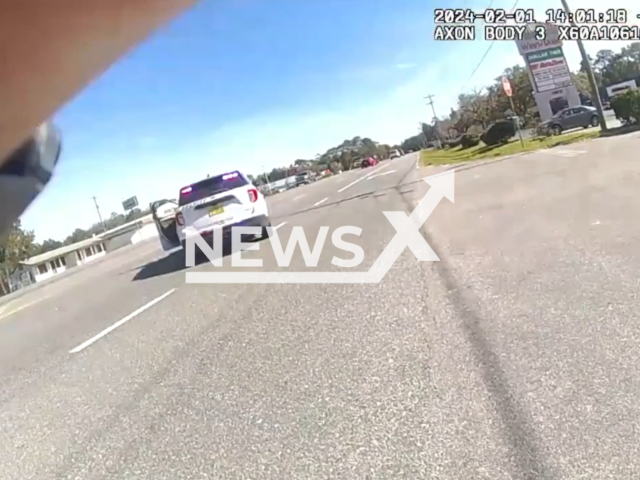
(590, 76)
(95, 202)
(435, 117)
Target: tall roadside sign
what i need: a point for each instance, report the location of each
(128, 205)
(553, 87)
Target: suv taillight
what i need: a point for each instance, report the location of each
(180, 219)
(253, 195)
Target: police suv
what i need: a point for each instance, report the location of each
(218, 202)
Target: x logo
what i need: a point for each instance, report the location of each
(408, 227)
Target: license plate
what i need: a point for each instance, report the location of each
(216, 211)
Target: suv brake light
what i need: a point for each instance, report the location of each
(180, 219)
(253, 195)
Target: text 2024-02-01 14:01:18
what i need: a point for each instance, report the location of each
(597, 26)
(462, 16)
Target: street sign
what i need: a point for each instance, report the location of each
(130, 203)
(506, 85)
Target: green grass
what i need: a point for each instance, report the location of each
(457, 155)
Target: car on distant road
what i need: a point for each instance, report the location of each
(218, 202)
(304, 179)
(572, 117)
(369, 162)
(395, 154)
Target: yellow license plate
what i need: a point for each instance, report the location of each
(216, 211)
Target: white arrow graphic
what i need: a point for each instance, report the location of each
(407, 235)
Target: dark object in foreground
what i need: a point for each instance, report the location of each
(26, 173)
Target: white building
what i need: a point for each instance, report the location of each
(46, 265)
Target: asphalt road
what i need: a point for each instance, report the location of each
(515, 356)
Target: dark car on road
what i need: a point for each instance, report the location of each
(572, 117)
(303, 179)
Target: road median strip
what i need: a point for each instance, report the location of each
(513, 148)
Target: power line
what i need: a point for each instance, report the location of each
(486, 52)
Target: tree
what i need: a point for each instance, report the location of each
(610, 67)
(523, 99)
(429, 132)
(413, 144)
(18, 246)
(583, 64)
(47, 246)
(581, 81)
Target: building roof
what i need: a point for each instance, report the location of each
(59, 252)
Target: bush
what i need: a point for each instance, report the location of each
(499, 132)
(542, 130)
(627, 106)
(468, 141)
(453, 143)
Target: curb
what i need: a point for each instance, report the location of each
(480, 163)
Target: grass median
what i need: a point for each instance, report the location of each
(480, 152)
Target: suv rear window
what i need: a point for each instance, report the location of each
(211, 186)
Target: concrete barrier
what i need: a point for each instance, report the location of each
(145, 233)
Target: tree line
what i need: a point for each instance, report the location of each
(478, 109)
(473, 113)
(475, 110)
(79, 234)
(347, 155)
(341, 157)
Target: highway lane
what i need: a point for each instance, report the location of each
(56, 385)
(514, 357)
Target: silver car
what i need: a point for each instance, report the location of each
(573, 117)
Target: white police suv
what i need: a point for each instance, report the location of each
(217, 202)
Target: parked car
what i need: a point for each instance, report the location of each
(395, 154)
(304, 179)
(572, 117)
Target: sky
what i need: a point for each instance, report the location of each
(257, 84)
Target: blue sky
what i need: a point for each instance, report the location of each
(253, 83)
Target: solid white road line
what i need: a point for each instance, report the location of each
(281, 225)
(363, 177)
(382, 174)
(321, 202)
(119, 323)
